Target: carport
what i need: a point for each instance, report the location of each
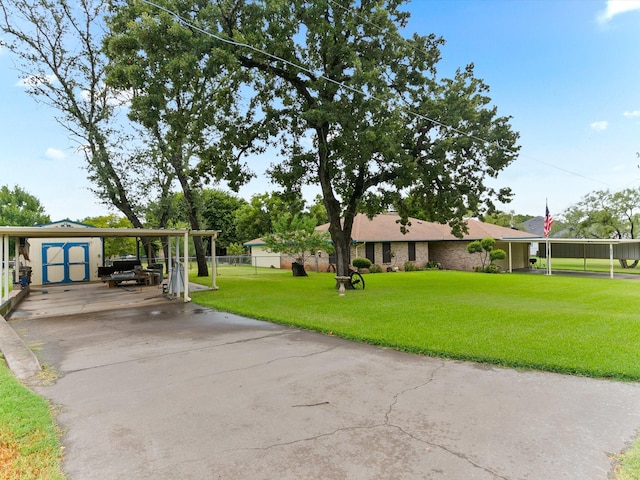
(584, 248)
(69, 232)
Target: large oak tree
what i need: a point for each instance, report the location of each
(363, 113)
(185, 95)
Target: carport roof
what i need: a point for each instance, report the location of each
(44, 232)
(585, 241)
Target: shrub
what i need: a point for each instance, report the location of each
(497, 254)
(361, 262)
(432, 265)
(491, 268)
(485, 248)
(410, 267)
(375, 268)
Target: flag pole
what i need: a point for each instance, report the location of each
(548, 257)
(548, 220)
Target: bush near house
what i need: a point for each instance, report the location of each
(487, 251)
(361, 263)
(411, 267)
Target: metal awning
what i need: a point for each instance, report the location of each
(8, 232)
(611, 246)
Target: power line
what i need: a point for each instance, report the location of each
(415, 47)
(309, 71)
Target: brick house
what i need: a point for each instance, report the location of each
(380, 240)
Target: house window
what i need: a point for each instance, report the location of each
(370, 252)
(412, 251)
(386, 252)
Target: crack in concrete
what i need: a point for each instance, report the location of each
(248, 367)
(386, 424)
(461, 456)
(414, 388)
(178, 352)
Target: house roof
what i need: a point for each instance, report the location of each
(386, 228)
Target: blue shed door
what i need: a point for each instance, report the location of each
(65, 262)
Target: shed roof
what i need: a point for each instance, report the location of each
(59, 232)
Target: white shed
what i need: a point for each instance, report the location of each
(262, 256)
(61, 259)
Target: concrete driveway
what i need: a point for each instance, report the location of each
(174, 391)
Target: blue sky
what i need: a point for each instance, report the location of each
(567, 71)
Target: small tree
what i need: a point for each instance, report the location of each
(235, 249)
(117, 246)
(19, 208)
(296, 235)
(486, 249)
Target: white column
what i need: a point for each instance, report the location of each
(510, 261)
(548, 257)
(611, 260)
(214, 267)
(169, 264)
(16, 263)
(5, 272)
(186, 267)
(5, 293)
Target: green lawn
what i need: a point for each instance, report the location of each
(29, 446)
(574, 325)
(585, 326)
(581, 326)
(590, 265)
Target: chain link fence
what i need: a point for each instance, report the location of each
(237, 265)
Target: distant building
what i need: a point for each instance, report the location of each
(380, 240)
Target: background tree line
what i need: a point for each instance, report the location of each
(172, 96)
(237, 219)
(599, 214)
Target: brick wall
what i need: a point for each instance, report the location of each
(401, 254)
(453, 255)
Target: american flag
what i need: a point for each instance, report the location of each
(548, 221)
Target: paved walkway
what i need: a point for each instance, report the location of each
(176, 391)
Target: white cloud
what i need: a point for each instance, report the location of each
(616, 7)
(55, 154)
(115, 98)
(635, 113)
(599, 126)
(35, 80)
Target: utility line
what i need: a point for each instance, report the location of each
(348, 87)
(366, 20)
(311, 72)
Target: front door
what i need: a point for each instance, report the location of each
(65, 262)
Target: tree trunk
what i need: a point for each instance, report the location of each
(192, 213)
(625, 264)
(201, 258)
(339, 228)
